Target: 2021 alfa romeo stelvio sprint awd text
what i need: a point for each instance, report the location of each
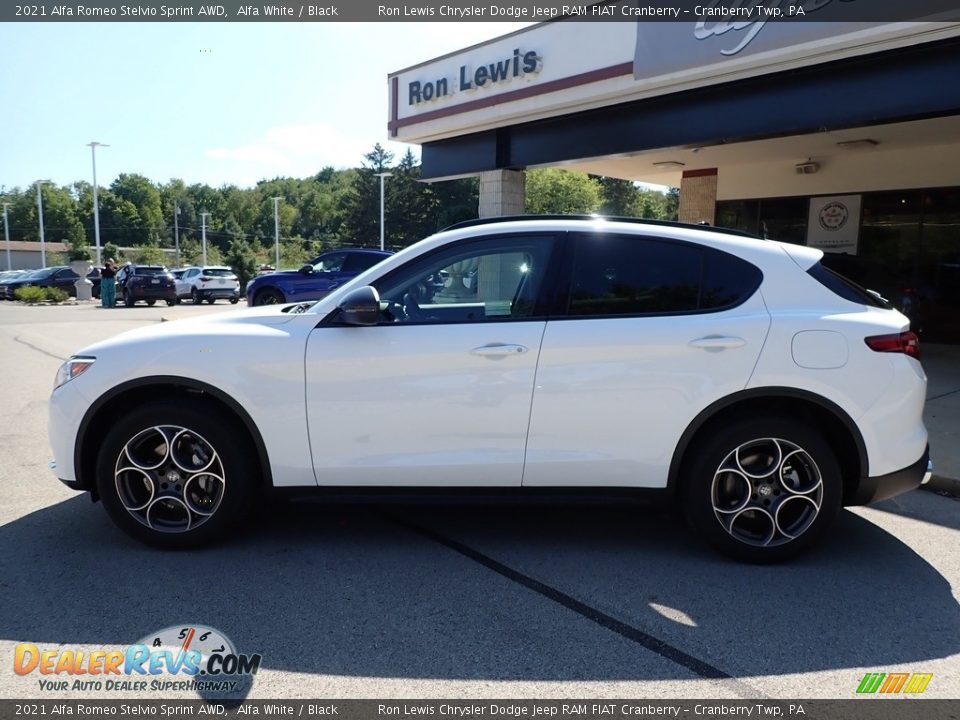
(737, 375)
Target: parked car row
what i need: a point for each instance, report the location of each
(59, 276)
(209, 283)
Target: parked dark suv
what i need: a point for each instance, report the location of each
(325, 272)
(145, 282)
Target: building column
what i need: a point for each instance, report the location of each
(501, 193)
(698, 196)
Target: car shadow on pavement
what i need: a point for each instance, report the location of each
(929, 506)
(370, 591)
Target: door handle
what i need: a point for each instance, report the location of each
(499, 350)
(718, 342)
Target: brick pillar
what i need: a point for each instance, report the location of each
(501, 193)
(698, 196)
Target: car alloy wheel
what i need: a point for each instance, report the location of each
(761, 489)
(195, 297)
(268, 296)
(173, 474)
(170, 478)
(767, 492)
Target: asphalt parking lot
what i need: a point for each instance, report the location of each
(379, 601)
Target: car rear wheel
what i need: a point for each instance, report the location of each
(195, 297)
(234, 301)
(762, 489)
(173, 476)
(171, 303)
(211, 300)
(151, 303)
(268, 296)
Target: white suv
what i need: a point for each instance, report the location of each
(210, 283)
(737, 375)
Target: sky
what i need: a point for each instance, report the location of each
(214, 103)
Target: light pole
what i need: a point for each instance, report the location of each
(6, 233)
(276, 228)
(93, 145)
(203, 234)
(176, 231)
(43, 245)
(383, 176)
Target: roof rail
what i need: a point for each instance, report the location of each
(611, 218)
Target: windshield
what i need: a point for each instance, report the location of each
(40, 274)
(218, 272)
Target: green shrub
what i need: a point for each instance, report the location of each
(31, 294)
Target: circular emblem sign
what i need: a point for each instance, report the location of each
(833, 216)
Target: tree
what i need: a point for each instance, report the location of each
(551, 191)
(137, 193)
(243, 259)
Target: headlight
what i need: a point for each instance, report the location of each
(74, 367)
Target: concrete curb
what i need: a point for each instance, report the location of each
(939, 483)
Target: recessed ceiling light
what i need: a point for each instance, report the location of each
(669, 164)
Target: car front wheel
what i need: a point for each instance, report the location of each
(762, 490)
(195, 297)
(173, 476)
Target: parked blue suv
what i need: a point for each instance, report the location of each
(315, 279)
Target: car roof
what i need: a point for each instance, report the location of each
(594, 218)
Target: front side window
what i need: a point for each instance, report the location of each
(330, 263)
(627, 275)
(482, 281)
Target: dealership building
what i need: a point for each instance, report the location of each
(840, 134)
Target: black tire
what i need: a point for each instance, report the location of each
(151, 303)
(234, 301)
(761, 489)
(195, 297)
(171, 303)
(208, 435)
(269, 296)
(128, 300)
(211, 300)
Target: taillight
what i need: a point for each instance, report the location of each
(905, 342)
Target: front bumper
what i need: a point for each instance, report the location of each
(882, 487)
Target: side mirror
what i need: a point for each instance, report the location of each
(306, 269)
(360, 307)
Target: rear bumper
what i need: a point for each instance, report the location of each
(874, 489)
(154, 293)
(219, 293)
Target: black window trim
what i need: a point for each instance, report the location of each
(559, 306)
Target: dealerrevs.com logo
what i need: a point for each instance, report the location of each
(894, 683)
(180, 657)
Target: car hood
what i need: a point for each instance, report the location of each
(260, 322)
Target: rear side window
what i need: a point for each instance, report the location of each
(845, 288)
(625, 275)
(358, 262)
